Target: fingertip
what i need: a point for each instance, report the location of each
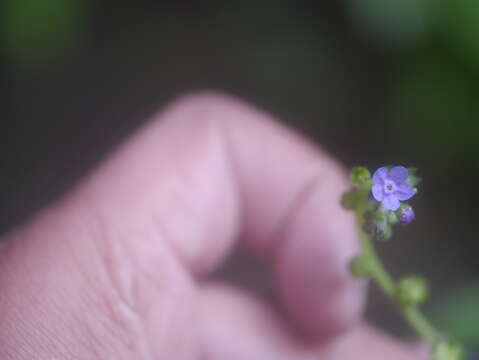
(319, 240)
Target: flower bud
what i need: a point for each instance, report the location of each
(413, 179)
(360, 266)
(412, 290)
(392, 218)
(407, 215)
(350, 199)
(448, 350)
(360, 176)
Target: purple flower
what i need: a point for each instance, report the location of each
(389, 187)
(407, 215)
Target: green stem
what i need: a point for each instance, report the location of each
(416, 319)
(413, 316)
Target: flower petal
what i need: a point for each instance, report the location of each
(391, 202)
(379, 175)
(398, 174)
(405, 192)
(378, 192)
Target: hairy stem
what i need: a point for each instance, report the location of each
(413, 316)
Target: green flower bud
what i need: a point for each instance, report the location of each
(360, 266)
(392, 218)
(413, 179)
(448, 350)
(360, 176)
(350, 199)
(412, 170)
(412, 290)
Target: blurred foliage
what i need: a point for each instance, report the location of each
(35, 32)
(392, 22)
(458, 23)
(459, 314)
(435, 107)
(434, 97)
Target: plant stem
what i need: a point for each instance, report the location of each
(413, 316)
(416, 319)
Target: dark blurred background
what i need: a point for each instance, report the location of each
(374, 81)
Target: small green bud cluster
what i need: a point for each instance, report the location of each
(448, 350)
(360, 266)
(412, 291)
(351, 199)
(360, 176)
(413, 179)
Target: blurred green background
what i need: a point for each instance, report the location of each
(374, 81)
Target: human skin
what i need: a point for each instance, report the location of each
(119, 267)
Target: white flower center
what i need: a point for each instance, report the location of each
(389, 187)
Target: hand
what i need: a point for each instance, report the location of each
(118, 269)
